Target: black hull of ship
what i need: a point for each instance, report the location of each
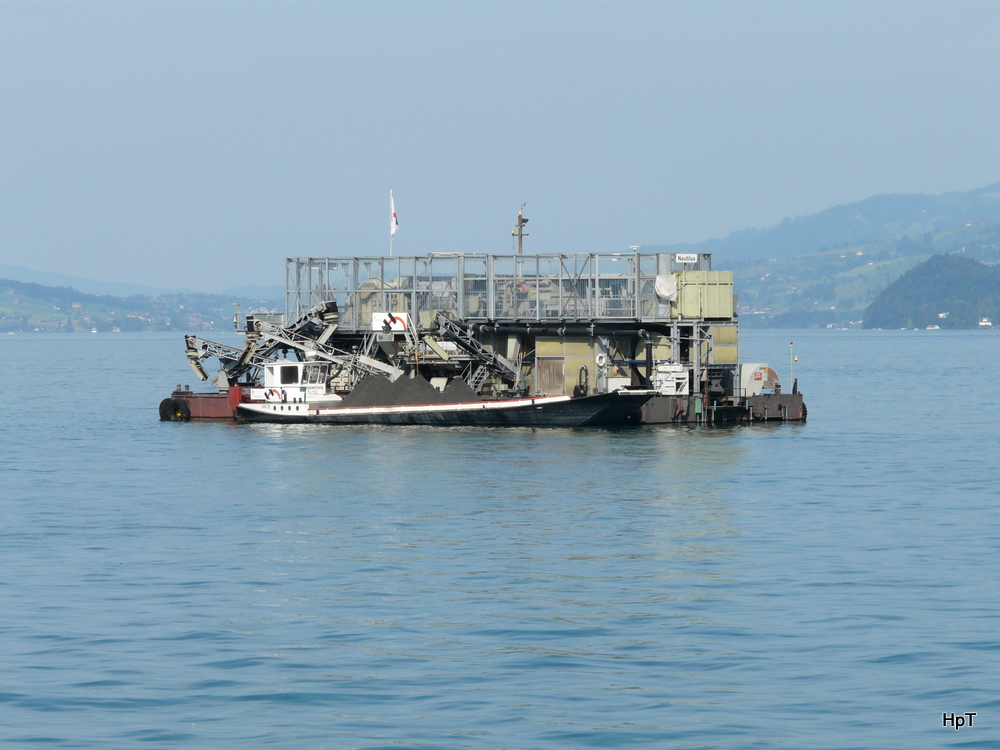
(767, 407)
(604, 410)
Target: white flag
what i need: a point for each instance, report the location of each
(393, 221)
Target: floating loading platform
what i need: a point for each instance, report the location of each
(600, 338)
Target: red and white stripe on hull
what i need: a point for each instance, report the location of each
(306, 409)
(606, 409)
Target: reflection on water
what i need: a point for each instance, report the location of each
(241, 585)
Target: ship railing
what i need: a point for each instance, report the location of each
(477, 287)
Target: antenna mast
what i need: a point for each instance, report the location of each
(518, 231)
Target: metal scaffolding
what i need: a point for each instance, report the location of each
(592, 287)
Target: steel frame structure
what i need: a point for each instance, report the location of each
(585, 287)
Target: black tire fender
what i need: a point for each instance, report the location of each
(166, 410)
(180, 410)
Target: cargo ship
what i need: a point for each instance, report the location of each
(598, 339)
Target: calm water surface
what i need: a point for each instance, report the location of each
(827, 585)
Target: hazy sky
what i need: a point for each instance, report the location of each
(198, 144)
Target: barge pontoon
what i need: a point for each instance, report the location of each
(559, 340)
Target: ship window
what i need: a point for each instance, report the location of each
(289, 374)
(314, 374)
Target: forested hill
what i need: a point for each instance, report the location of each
(949, 291)
(875, 219)
(35, 307)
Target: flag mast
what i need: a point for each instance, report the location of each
(518, 231)
(393, 221)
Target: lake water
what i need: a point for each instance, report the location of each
(826, 585)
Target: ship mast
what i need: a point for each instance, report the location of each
(518, 231)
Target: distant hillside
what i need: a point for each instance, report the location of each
(877, 219)
(822, 270)
(834, 288)
(120, 289)
(36, 307)
(88, 286)
(949, 291)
